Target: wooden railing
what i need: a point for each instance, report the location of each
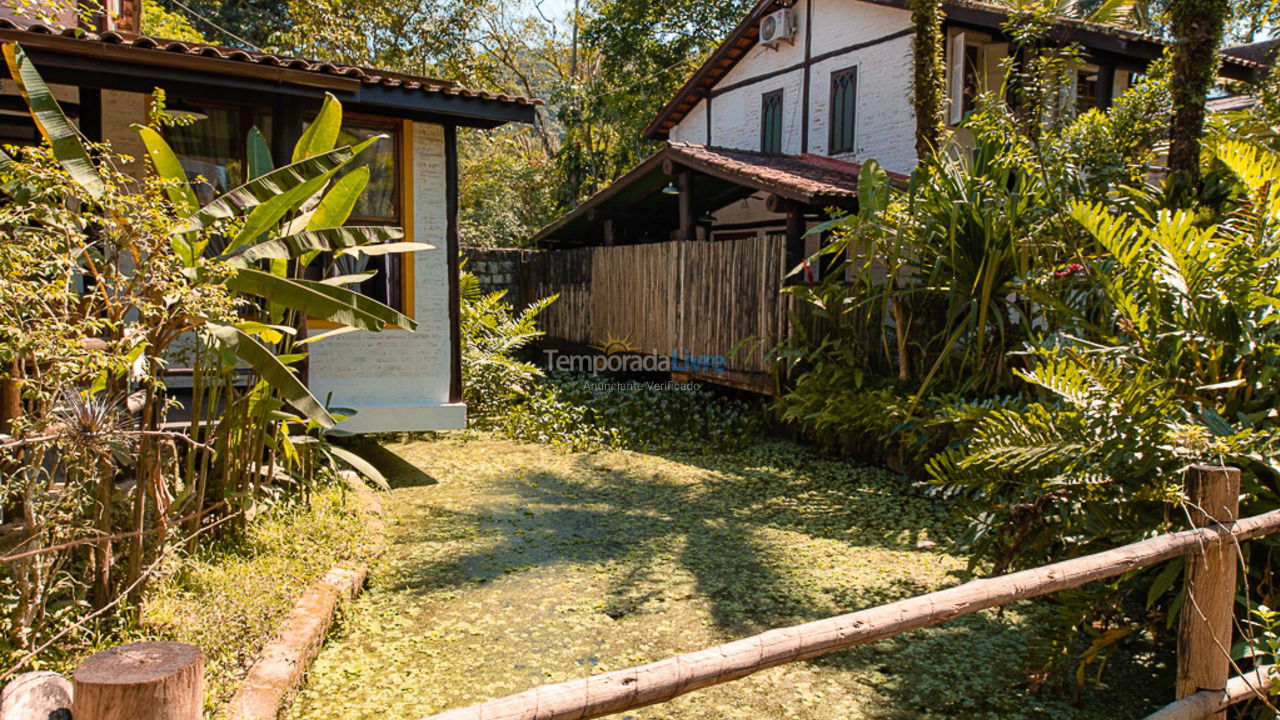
(161, 681)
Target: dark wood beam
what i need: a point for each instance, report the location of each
(688, 207)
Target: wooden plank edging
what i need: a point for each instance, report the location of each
(1208, 702)
(285, 659)
(660, 681)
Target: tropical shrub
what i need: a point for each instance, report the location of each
(588, 412)
(1175, 364)
(493, 335)
(110, 280)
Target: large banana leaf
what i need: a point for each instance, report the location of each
(317, 300)
(261, 189)
(322, 134)
(272, 371)
(267, 216)
(336, 207)
(326, 239)
(260, 162)
(388, 248)
(53, 123)
(364, 303)
(169, 167)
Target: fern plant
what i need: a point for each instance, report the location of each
(1175, 364)
(493, 334)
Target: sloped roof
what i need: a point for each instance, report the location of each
(143, 47)
(1120, 41)
(814, 180)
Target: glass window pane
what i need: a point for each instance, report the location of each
(210, 150)
(379, 199)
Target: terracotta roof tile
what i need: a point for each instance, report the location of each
(811, 175)
(368, 76)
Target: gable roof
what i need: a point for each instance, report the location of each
(813, 180)
(115, 47)
(1141, 46)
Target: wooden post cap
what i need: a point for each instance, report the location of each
(141, 681)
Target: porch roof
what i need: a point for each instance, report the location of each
(724, 175)
(128, 61)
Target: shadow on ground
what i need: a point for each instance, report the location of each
(526, 567)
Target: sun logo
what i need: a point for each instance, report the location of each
(613, 344)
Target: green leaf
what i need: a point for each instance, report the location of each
(336, 207)
(388, 248)
(266, 216)
(321, 135)
(366, 304)
(260, 162)
(261, 189)
(272, 371)
(329, 239)
(1164, 580)
(53, 123)
(362, 466)
(168, 166)
(323, 302)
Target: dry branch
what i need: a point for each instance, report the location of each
(660, 681)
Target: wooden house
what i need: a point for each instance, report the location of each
(685, 253)
(105, 75)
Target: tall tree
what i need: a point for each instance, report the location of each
(1197, 27)
(929, 79)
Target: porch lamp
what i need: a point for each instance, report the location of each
(671, 189)
(706, 218)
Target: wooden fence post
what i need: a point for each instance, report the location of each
(140, 681)
(1204, 630)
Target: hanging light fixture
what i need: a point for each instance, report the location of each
(706, 218)
(671, 189)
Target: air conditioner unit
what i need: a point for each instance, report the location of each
(777, 27)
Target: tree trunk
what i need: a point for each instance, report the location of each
(141, 681)
(929, 78)
(1197, 27)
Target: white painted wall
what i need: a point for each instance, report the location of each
(885, 125)
(397, 380)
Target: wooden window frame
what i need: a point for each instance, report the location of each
(402, 138)
(851, 144)
(764, 128)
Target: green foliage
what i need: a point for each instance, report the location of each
(587, 412)
(162, 23)
(493, 334)
(109, 280)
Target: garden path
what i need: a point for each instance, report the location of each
(514, 565)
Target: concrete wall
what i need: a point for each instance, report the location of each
(396, 380)
(885, 124)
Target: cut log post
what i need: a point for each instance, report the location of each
(36, 696)
(1204, 629)
(141, 681)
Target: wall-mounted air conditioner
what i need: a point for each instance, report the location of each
(778, 27)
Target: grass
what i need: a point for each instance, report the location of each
(229, 597)
(514, 565)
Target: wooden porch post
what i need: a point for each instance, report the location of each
(1204, 630)
(688, 211)
(794, 231)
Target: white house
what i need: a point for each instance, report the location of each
(775, 124)
(759, 144)
(104, 74)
